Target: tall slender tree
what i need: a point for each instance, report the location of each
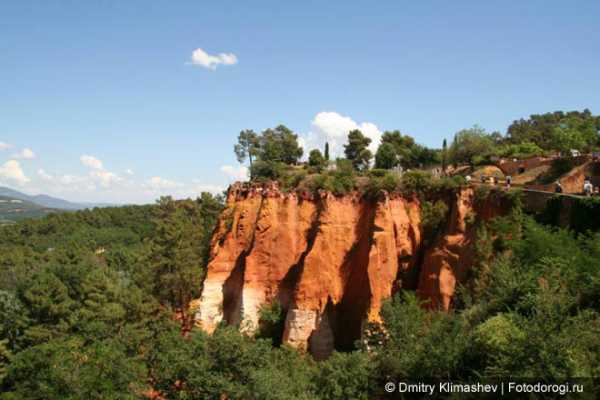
(326, 152)
(247, 146)
(444, 155)
(357, 150)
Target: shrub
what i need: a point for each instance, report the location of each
(267, 170)
(271, 322)
(417, 181)
(388, 182)
(434, 216)
(291, 179)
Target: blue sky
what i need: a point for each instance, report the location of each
(116, 82)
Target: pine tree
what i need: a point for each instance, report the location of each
(176, 255)
(326, 152)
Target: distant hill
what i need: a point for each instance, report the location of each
(49, 201)
(12, 210)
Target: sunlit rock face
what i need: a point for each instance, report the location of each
(329, 261)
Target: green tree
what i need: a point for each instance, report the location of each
(176, 254)
(470, 144)
(247, 146)
(5, 356)
(316, 160)
(49, 306)
(279, 144)
(326, 153)
(386, 157)
(541, 128)
(357, 150)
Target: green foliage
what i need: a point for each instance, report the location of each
(398, 149)
(346, 376)
(77, 306)
(271, 322)
(471, 146)
(292, 179)
(273, 149)
(438, 342)
(340, 181)
(73, 369)
(267, 170)
(557, 131)
(417, 181)
(179, 249)
(247, 146)
(388, 181)
(316, 160)
(357, 150)
(5, 357)
(385, 157)
(520, 150)
(279, 144)
(433, 219)
(580, 212)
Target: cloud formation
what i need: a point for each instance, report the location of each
(91, 162)
(25, 154)
(12, 172)
(237, 174)
(203, 59)
(156, 183)
(332, 127)
(4, 146)
(44, 175)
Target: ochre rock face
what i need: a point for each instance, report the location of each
(329, 261)
(447, 262)
(280, 240)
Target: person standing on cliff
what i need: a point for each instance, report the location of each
(587, 187)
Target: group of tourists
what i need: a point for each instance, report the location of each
(588, 188)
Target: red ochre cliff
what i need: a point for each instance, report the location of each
(329, 261)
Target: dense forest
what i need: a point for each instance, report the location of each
(94, 304)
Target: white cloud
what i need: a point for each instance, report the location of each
(203, 59)
(129, 172)
(91, 162)
(156, 183)
(97, 172)
(238, 174)
(26, 154)
(11, 170)
(44, 175)
(105, 178)
(334, 128)
(4, 146)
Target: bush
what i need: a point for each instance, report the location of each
(417, 181)
(291, 179)
(434, 217)
(520, 150)
(267, 170)
(271, 322)
(388, 182)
